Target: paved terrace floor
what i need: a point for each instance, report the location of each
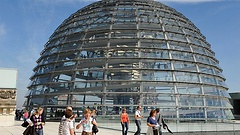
(51, 128)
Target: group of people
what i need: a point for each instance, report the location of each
(155, 122)
(35, 123)
(88, 123)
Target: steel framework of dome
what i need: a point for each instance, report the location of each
(124, 53)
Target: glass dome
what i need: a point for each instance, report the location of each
(124, 53)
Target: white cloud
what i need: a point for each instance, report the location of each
(2, 30)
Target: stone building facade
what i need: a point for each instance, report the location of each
(8, 93)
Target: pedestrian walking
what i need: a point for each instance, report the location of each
(160, 121)
(25, 115)
(152, 123)
(67, 123)
(71, 118)
(87, 123)
(38, 121)
(94, 116)
(124, 121)
(138, 118)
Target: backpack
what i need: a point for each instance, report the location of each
(60, 128)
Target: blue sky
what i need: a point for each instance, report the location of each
(26, 25)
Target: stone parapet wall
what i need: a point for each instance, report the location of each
(6, 120)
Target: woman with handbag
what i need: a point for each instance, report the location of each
(87, 123)
(152, 123)
(38, 121)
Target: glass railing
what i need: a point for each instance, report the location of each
(113, 122)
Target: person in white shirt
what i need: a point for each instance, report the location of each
(72, 119)
(87, 123)
(67, 124)
(138, 118)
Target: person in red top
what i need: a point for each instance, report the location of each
(25, 115)
(124, 121)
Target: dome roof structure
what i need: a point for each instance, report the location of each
(124, 53)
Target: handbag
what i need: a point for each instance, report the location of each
(29, 131)
(155, 132)
(94, 129)
(25, 124)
